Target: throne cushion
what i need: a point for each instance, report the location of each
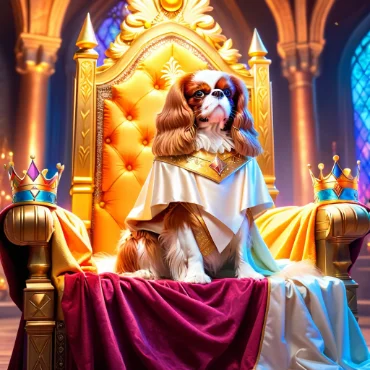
(128, 132)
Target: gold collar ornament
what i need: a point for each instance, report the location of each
(215, 167)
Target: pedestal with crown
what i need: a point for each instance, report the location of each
(30, 225)
(340, 221)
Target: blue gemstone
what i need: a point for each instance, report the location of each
(336, 170)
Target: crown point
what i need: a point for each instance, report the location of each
(309, 166)
(32, 156)
(358, 162)
(336, 158)
(321, 166)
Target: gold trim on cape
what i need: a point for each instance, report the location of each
(205, 164)
(202, 236)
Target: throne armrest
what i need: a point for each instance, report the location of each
(32, 226)
(337, 226)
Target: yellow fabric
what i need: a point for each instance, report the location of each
(128, 132)
(70, 249)
(289, 232)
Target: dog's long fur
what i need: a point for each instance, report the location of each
(175, 253)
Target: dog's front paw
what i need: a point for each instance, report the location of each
(197, 278)
(250, 275)
(143, 274)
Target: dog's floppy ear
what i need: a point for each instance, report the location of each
(242, 129)
(175, 124)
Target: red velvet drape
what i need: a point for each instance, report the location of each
(124, 323)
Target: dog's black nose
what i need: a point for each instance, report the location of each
(219, 94)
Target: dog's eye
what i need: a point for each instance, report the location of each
(227, 93)
(199, 94)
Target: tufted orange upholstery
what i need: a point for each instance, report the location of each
(129, 129)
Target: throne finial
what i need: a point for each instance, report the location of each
(257, 48)
(86, 38)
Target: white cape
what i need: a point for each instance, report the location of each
(223, 205)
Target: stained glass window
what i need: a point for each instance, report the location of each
(110, 28)
(360, 80)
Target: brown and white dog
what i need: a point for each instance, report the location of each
(204, 110)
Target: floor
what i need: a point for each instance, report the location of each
(9, 326)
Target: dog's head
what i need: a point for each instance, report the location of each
(205, 100)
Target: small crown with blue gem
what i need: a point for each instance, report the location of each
(34, 187)
(339, 184)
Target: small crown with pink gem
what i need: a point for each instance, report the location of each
(339, 184)
(34, 187)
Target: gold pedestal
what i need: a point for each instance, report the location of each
(337, 226)
(32, 226)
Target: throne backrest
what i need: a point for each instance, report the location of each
(116, 104)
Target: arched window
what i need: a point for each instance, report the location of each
(110, 28)
(360, 81)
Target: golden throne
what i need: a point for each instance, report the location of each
(114, 125)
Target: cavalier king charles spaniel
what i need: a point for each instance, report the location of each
(205, 110)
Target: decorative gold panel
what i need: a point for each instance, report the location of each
(39, 305)
(190, 14)
(39, 345)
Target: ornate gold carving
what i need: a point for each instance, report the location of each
(171, 71)
(171, 5)
(39, 344)
(145, 14)
(86, 80)
(39, 301)
(83, 152)
(263, 114)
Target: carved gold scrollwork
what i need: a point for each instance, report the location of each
(86, 90)
(263, 113)
(83, 153)
(86, 80)
(171, 71)
(192, 14)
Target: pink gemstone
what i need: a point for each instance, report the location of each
(33, 172)
(218, 165)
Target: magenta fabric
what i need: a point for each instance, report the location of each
(117, 323)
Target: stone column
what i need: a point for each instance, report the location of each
(301, 29)
(38, 24)
(36, 56)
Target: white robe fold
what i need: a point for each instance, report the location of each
(223, 205)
